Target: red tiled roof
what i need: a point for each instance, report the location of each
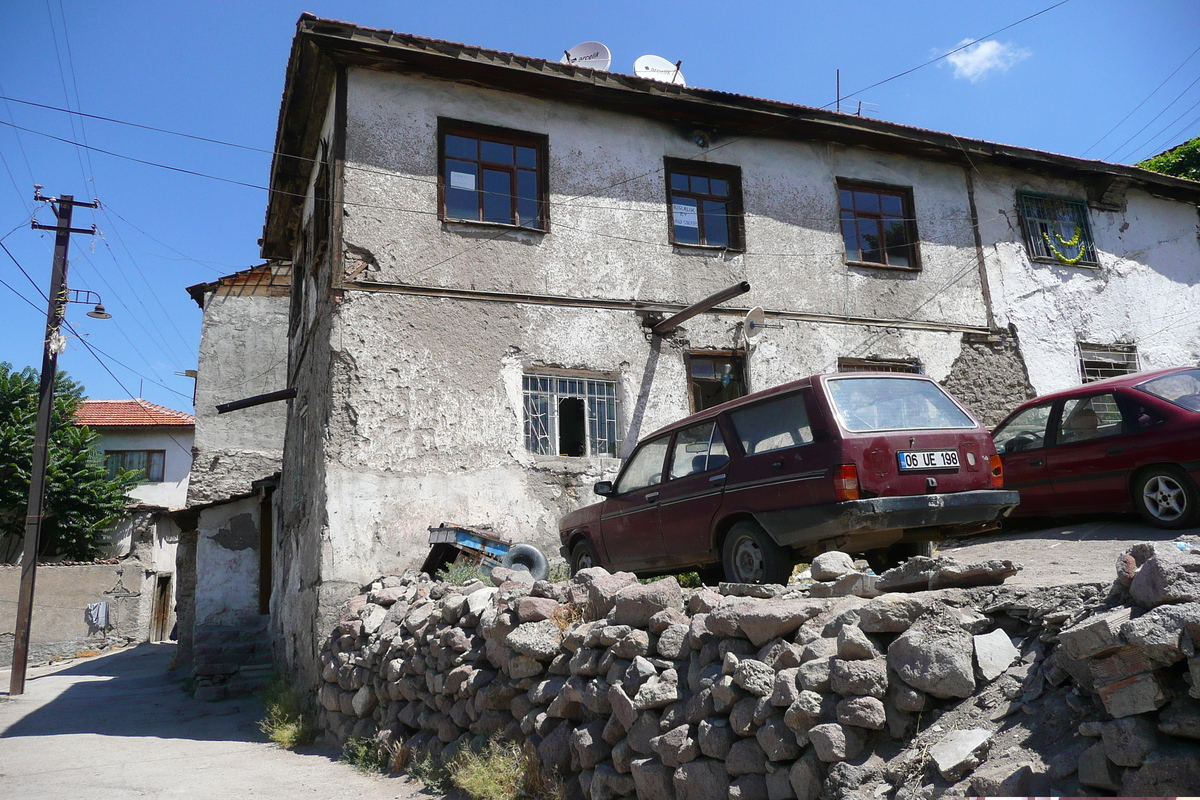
(129, 413)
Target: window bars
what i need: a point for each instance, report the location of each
(1057, 230)
(550, 425)
(1100, 361)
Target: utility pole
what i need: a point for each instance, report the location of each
(53, 345)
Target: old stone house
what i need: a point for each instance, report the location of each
(479, 240)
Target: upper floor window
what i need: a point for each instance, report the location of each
(706, 204)
(1100, 361)
(1056, 230)
(570, 416)
(492, 175)
(878, 225)
(147, 462)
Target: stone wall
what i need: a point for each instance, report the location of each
(845, 687)
(989, 377)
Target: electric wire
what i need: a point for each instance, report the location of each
(1139, 105)
(66, 94)
(1175, 138)
(1155, 136)
(1122, 145)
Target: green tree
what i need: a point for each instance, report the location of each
(81, 501)
(1182, 161)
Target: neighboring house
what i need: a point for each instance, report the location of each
(480, 239)
(150, 439)
(224, 558)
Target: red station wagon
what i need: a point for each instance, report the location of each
(856, 462)
(1120, 444)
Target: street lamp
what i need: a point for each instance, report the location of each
(86, 297)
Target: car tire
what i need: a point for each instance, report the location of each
(527, 557)
(583, 556)
(750, 555)
(1166, 497)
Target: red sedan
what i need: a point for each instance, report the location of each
(1125, 443)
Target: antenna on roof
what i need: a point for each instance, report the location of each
(592, 55)
(657, 68)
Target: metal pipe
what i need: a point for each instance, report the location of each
(257, 400)
(671, 323)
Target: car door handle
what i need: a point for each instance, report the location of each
(650, 498)
(777, 464)
(1115, 451)
(717, 479)
(1036, 462)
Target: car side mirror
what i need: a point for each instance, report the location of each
(603, 488)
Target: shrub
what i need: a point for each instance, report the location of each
(284, 720)
(461, 573)
(366, 756)
(424, 768)
(505, 770)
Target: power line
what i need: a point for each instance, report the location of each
(1152, 121)
(1159, 132)
(1139, 105)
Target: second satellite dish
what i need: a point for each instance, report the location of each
(657, 68)
(592, 55)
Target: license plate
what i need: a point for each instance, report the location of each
(927, 459)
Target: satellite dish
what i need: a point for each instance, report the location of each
(657, 68)
(752, 326)
(592, 55)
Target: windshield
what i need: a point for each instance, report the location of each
(894, 404)
(1181, 388)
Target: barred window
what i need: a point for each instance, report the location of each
(911, 366)
(1100, 361)
(570, 416)
(1056, 230)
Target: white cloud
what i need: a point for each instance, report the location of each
(977, 61)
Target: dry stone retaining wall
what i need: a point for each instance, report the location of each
(772, 693)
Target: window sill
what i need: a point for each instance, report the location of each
(1057, 262)
(877, 265)
(474, 223)
(708, 248)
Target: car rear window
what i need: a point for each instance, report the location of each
(772, 425)
(1181, 388)
(894, 404)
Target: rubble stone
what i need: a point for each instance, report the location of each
(1129, 740)
(701, 779)
(934, 656)
(1097, 771)
(959, 752)
(994, 653)
(862, 712)
(637, 603)
(831, 565)
(1170, 576)
(835, 742)
(652, 780)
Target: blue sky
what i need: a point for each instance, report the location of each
(1059, 82)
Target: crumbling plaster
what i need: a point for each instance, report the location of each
(243, 350)
(612, 242)
(1143, 292)
(227, 563)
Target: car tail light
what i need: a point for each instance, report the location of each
(845, 482)
(997, 472)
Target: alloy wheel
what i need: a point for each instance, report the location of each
(1165, 498)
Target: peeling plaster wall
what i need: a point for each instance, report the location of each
(1144, 292)
(227, 559)
(243, 352)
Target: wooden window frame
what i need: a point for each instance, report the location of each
(731, 174)
(1040, 253)
(539, 142)
(907, 209)
(730, 355)
(147, 478)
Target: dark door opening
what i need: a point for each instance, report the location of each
(572, 427)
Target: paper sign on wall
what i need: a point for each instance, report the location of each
(462, 180)
(685, 215)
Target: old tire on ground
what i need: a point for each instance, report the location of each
(1166, 497)
(750, 555)
(527, 557)
(583, 556)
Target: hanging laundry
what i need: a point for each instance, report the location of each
(97, 615)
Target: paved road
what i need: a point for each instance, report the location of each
(1065, 550)
(119, 726)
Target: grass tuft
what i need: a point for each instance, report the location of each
(424, 768)
(505, 770)
(366, 756)
(460, 573)
(285, 721)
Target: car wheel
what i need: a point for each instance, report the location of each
(751, 556)
(1166, 497)
(583, 556)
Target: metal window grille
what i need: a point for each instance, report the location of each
(1057, 230)
(543, 394)
(1100, 361)
(879, 365)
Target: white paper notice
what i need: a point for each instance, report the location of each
(462, 180)
(685, 216)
